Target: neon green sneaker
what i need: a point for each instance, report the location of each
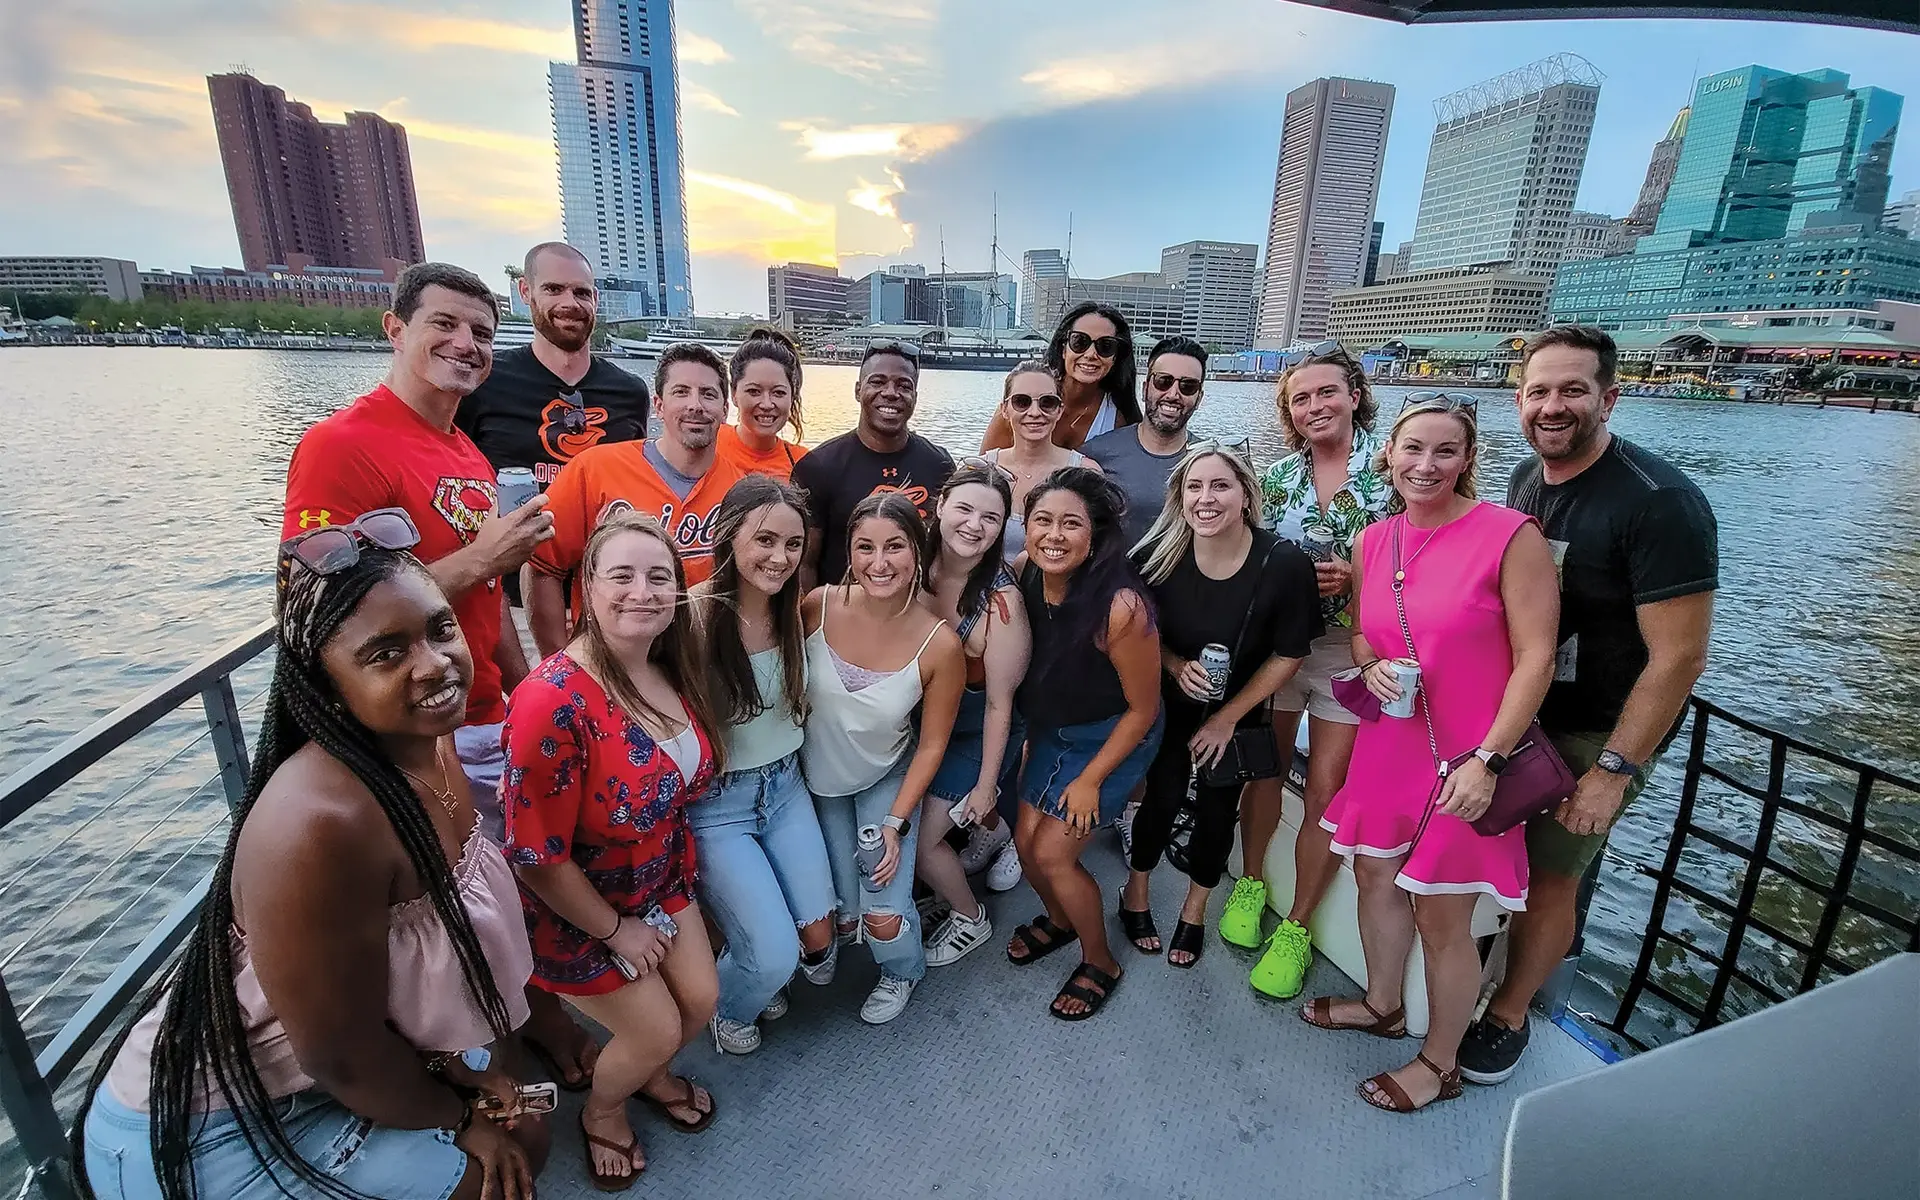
(1282, 970)
(1240, 923)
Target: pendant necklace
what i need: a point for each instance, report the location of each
(444, 793)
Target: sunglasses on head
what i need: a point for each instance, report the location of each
(1021, 402)
(1164, 382)
(334, 548)
(1105, 347)
(1442, 401)
(906, 350)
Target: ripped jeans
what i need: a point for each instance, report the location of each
(902, 956)
(763, 875)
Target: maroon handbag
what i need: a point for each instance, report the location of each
(1536, 779)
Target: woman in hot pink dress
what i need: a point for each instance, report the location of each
(1482, 604)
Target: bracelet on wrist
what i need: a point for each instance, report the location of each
(619, 919)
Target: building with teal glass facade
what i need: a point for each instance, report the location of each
(1775, 203)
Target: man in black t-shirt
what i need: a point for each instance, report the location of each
(547, 402)
(880, 454)
(1639, 558)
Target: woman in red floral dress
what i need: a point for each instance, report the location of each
(607, 742)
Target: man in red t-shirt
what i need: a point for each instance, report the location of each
(677, 477)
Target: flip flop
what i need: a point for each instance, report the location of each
(664, 1108)
(609, 1183)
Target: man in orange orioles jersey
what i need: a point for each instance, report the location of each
(676, 477)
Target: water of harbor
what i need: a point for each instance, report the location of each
(140, 496)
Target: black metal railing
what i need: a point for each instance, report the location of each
(1817, 921)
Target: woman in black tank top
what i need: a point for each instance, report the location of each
(1092, 705)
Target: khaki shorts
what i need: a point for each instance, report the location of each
(1311, 688)
(1551, 847)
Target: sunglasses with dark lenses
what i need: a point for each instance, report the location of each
(906, 350)
(1021, 402)
(1165, 383)
(336, 547)
(1444, 401)
(1105, 347)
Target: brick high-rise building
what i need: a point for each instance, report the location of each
(306, 192)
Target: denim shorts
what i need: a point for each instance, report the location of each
(373, 1160)
(1056, 757)
(959, 770)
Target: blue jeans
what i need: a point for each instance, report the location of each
(373, 1160)
(763, 875)
(902, 956)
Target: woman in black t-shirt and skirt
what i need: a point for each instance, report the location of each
(1220, 579)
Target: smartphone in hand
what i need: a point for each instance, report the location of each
(531, 1099)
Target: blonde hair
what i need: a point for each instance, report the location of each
(677, 649)
(1464, 485)
(1170, 537)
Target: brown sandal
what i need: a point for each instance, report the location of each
(664, 1108)
(1393, 1025)
(1385, 1094)
(609, 1183)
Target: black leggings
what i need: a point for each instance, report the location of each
(1215, 810)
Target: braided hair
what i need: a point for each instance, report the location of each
(202, 1043)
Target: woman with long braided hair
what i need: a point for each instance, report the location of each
(359, 934)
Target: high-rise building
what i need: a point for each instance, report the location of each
(1216, 279)
(1504, 169)
(309, 193)
(1333, 143)
(798, 291)
(1903, 215)
(892, 296)
(1036, 267)
(1153, 307)
(1373, 253)
(1660, 168)
(616, 124)
(1768, 153)
(1593, 235)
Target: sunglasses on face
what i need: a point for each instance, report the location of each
(1442, 401)
(1105, 347)
(1165, 383)
(334, 548)
(1021, 402)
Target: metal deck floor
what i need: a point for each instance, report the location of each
(1188, 1084)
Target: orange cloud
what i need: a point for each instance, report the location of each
(726, 215)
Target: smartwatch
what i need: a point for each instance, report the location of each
(899, 825)
(1495, 763)
(1615, 763)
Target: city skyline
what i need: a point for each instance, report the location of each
(839, 130)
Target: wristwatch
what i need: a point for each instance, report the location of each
(1615, 763)
(899, 825)
(1495, 763)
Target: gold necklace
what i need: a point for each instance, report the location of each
(444, 793)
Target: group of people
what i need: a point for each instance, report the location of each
(782, 696)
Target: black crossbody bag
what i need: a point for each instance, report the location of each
(1253, 752)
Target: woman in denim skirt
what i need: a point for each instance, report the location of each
(763, 864)
(1091, 700)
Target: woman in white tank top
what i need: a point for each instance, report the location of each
(1030, 402)
(873, 656)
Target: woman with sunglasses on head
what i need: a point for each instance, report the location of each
(763, 865)
(346, 1001)
(1030, 402)
(965, 582)
(607, 742)
(1319, 497)
(764, 374)
(1091, 701)
(1092, 356)
(1218, 579)
(1468, 592)
(874, 656)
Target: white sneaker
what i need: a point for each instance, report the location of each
(1124, 827)
(983, 845)
(734, 1037)
(776, 1007)
(820, 974)
(887, 1000)
(959, 936)
(849, 935)
(1004, 874)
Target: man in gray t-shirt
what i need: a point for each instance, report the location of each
(1139, 459)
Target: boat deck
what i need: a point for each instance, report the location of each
(1188, 1084)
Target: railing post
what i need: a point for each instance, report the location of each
(29, 1106)
(1663, 883)
(229, 742)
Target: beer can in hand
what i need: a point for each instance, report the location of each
(1406, 672)
(1216, 661)
(514, 488)
(867, 855)
(1317, 541)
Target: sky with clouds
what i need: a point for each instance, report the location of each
(862, 131)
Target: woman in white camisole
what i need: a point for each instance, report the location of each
(1030, 402)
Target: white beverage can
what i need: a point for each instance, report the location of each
(1406, 672)
(867, 855)
(1317, 541)
(514, 488)
(1216, 661)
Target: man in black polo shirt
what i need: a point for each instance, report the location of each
(880, 454)
(547, 402)
(1639, 558)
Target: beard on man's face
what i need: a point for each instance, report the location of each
(568, 339)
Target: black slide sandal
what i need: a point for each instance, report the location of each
(1036, 949)
(1076, 989)
(1138, 925)
(1189, 939)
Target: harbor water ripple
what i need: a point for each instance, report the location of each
(140, 495)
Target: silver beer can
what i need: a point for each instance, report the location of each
(514, 488)
(1216, 661)
(871, 848)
